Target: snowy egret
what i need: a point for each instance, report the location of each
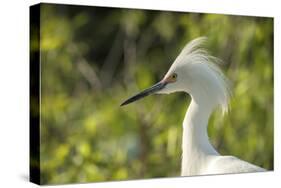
(195, 72)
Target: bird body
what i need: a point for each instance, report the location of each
(196, 73)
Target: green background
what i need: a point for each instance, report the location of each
(94, 58)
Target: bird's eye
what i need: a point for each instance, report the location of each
(174, 76)
(171, 78)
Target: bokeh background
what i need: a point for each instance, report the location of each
(93, 58)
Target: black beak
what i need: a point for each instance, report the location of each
(146, 92)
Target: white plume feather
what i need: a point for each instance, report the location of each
(199, 61)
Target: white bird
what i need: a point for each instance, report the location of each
(195, 72)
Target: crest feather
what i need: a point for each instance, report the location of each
(195, 55)
(193, 46)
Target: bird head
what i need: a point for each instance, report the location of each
(195, 72)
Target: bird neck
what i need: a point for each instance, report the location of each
(195, 144)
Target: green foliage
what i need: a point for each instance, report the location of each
(94, 58)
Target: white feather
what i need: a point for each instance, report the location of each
(204, 68)
(199, 75)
